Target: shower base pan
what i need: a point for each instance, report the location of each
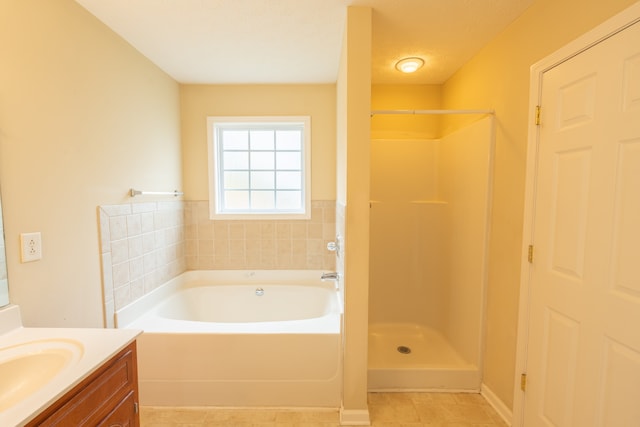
(408, 357)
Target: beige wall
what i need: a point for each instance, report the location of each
(200, 101)
(83, 118)
(406, 97)
(498, 77)
(354, 104)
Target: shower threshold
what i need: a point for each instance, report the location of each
(404, 357)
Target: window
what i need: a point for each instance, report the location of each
(259, 167)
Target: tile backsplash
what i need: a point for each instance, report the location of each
(259, 244)
(143, 245)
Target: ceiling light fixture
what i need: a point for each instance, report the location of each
(409, 65)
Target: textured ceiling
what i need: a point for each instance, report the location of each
(299, 41)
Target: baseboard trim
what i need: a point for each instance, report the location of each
(354, 417)
(505, 413)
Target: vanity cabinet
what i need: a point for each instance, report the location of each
(107, 398)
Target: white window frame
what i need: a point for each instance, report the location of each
(215, 193)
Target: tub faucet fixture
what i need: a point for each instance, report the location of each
(330, 276)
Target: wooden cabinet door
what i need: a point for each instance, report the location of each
(123, 415)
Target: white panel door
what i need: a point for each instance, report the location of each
(583, 357)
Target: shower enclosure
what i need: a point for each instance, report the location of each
(430, 203)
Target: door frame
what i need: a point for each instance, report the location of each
(612, 26)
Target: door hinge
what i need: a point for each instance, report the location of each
(135, 407)
(523, 382)
(530, 254)
(538, 108)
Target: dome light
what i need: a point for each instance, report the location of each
(409, 65)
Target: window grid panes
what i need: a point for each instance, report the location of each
(260, 167)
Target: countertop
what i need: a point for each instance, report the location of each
(96, 346)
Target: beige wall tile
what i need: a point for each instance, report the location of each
(146, 222)
(119, 251)
(137, 288)
(315, 247)
(236, 230)
(252, 230)
(122, 296)
(284, 247)
(205, 247)
(298, 230)
(221, 229)
(134, 225)
(191, 248)
(147, 248)
(262, 244)
(135, 247)
(316, 214)
(145, 244)
(315, 230)
(237, 248)
(204, 230)
(120, 274)
(221, 247)
(283, 230)
(136, 268)
(267, 230)
(118, 227)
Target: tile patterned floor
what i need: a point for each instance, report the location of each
(385, 410)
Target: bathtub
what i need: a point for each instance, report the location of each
(239, 338)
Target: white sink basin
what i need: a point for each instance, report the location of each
(40, 365)
(27, 367)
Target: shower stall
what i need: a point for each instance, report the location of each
(430, 202)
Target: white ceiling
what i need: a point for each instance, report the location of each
(299, 41)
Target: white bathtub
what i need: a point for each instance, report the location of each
(238, 338)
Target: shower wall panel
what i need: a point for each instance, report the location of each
(405, 256)
(429, 221)
(465, 180)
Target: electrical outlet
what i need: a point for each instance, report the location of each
(31, 244)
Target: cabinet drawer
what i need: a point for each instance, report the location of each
(97, 396)
(123, 415)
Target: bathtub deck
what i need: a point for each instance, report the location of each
(431, 364)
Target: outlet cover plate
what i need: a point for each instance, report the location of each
(31, 245)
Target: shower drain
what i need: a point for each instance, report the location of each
(404, 349)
